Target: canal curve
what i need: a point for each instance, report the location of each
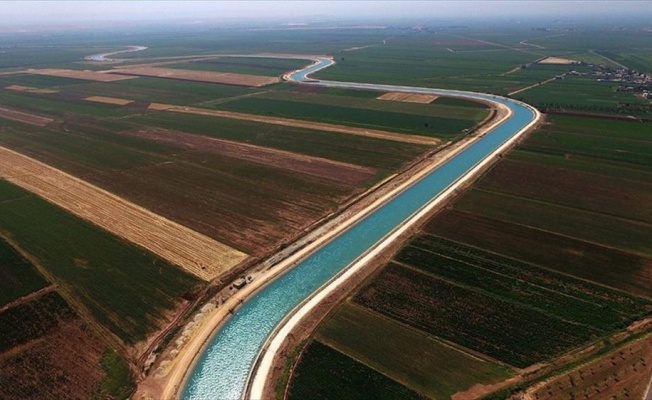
(223, 369)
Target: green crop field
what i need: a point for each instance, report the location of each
(398, 352)
(585, 225)
(363, 118)
(472, 318)
(459, 109)
(19, 277)
(39, 81)
(324, 373)
(586, 260)
(376, 153)
(127, 289)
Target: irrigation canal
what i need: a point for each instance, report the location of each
(223, 370)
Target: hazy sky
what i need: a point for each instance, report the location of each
(64, 11)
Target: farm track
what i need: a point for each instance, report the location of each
(414, 139)
(198, 254)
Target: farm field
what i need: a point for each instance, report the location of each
(554, 237)
(244, 65)
(623, 373)
(129, 291)
(18, 275)
(398, 352)
(385, 120)
(328, 374)
(196, 76)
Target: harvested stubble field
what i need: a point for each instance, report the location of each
(20, 88)
(408, 97)
(24, 117)
(109, 100)
(195, 253)
(199, 76)
(128, 290)
(76, 74)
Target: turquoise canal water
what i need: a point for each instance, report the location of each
(223, 369)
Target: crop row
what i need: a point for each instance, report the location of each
(568, 298)
(507, 331)
(324, 373)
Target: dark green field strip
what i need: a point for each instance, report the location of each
(578, 189)
(30, 320)
(296, 88)
(18, 276)
(578, 301)
(638, 153)
(57, 106)
(39, 81)
(632, 59)
(456, 102)
(126, 288)
(606, 266)
(371, 119)
(633, 130)
(474, 320)
(621, 302)
(405, 354)
(84, 152)
(251, 66)
(167, 91)
(377, 153)
(603, 229)
(607, 168)
(464, 111)
(326, 374)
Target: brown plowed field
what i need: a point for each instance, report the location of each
(201, 76)
(310, 125)
(85, 75)
(24, 117)
(63, 363)
(194, 252)
(408, 97)
(319, 167)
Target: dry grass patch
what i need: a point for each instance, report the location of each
(201, 76)
(109, 100)
(85, 75)
(408, 97)
(198, 254)
(159, 106)
(557, 61)
(28, 89)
